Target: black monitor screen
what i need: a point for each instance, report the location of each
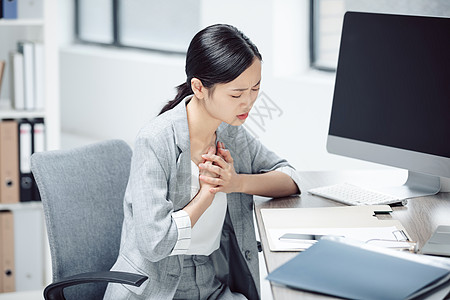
(393, 82)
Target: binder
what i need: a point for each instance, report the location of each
(38, 146)
(2, 71)
(16, 80)
(30, 9)
(7, 269)
(9, 162)
(25, 151)
(38, 135)
(9, 9)
(29, 249)
(352, 271)
(39, 76)
(27, 49)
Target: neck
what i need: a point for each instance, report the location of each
(202, 129)
(202, 126)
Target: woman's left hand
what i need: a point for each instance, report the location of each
(228, 180)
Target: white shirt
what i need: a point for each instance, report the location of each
(204, 237)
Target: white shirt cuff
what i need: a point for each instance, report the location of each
(183, 223)
(291, 173)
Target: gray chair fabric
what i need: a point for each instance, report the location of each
(82, 192)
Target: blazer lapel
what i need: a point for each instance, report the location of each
(182, 187)
(226, 135)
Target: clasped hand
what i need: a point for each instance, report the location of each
(217, 171)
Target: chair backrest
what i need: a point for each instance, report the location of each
(82, 192)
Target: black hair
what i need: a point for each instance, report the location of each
(217, 54)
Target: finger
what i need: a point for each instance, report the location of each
(211, 168)
(215, 158)
(215, 190)
(210, 151)
(211, 180)
(219, 146)
(226, 155)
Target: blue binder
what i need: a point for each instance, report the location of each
(9, 9)
(348, 271)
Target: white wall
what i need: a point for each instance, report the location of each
(110, 93)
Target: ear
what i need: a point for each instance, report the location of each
(198, 88)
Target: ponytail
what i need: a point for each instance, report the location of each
(183, 90)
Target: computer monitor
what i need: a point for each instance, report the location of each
(391, 101)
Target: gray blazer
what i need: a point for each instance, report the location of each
(159, 184)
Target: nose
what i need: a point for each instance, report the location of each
(249, 100)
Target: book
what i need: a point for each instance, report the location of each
(355, 271)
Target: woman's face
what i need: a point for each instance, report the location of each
(231, 102)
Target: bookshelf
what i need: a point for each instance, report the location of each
(45, 30)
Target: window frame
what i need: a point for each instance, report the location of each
(313, 18)
(116, 37)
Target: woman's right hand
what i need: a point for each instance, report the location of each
(203, 185)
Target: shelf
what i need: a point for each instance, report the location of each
(21, 114)
(6, 112)
(21, 205)
(21, 22)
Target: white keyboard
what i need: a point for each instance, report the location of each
(353, 195)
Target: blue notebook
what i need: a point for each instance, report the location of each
(348, 271)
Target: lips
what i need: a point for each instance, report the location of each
(243, 116)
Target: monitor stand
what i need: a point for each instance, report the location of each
(417, 185)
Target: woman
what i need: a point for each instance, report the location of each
(188, 221)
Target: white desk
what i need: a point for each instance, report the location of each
(420, 216)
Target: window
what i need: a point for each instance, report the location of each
(327, 17)
(146, 24)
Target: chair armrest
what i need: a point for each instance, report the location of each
(54, 291)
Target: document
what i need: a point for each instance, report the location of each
(389, 237)
(349, 270)
(356, 222)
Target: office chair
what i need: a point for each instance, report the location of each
(82, 192)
